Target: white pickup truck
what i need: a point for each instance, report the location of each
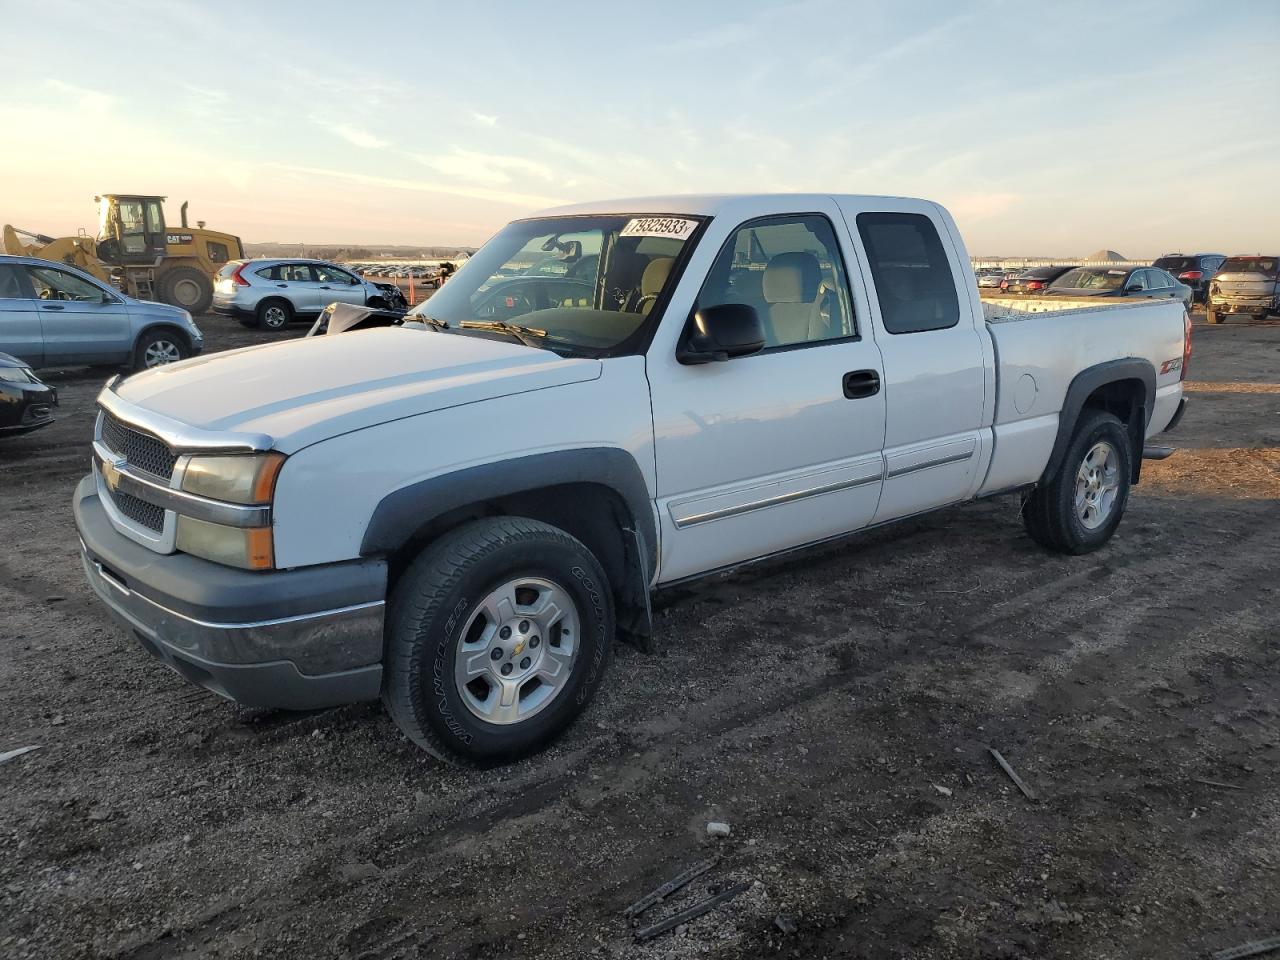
(458, 512)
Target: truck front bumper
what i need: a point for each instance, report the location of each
(293, 639)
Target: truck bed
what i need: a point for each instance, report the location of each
(1040, 346)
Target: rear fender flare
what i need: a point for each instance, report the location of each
(1082, 387)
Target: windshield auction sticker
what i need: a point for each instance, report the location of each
(672, 227)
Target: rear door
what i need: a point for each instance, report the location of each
(936, 365)
(296, 283)
(19, 319)
(80, 321)
(1161, 284)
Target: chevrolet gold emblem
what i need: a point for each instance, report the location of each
(111, 474)
(519, 648)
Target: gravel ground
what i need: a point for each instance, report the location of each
(835, 711)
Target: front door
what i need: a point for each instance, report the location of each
(19, 319)
(338, 286)
(781, 448)
(80, 321)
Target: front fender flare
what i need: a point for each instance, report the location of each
(404, 511)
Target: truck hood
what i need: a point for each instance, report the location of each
(302, 391)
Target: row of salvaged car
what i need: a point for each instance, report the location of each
(1243, 284)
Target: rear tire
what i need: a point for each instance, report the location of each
(274, 314)
(188, 288)
(1079, 508)
(447, 621)
(1211, 315)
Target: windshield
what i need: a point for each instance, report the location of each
(1085, 278)
(589, 283)
(1263, 265)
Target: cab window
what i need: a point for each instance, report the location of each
(791, 271)
(53, 284)
(912, 276)
(332, 275)
(11, 285)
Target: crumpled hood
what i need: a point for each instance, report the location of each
(301, 391)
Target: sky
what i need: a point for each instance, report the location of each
(1047, 128)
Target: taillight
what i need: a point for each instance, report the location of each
(1004, 284)
(1186, 344)
(1190, 275)
(237, 279)
(1034, 285)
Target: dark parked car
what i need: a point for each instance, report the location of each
(1146, 282)
(1193, 269)
(1248, 285)
(1034, 280)
(26, 404)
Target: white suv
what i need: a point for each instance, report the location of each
(274, 293)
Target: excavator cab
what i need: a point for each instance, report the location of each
(131, 230)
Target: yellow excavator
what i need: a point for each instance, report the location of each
(137, 252)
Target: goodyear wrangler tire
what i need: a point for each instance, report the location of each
(498, 635)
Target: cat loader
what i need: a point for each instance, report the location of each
(137, 252)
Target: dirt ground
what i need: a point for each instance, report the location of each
(835, 711)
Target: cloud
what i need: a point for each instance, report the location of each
(353, 135)
(91, 101)
(507, 197)
(484, 119)
(483, 167)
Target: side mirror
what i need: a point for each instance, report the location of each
(720, 333)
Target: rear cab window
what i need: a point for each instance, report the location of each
(913, 279)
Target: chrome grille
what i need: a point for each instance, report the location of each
(139, 511)
(143, 451)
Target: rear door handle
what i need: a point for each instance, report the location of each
(52, 306)
(861, 383)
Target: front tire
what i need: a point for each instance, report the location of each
(498, 635)
(155, 348)
(1078, 509)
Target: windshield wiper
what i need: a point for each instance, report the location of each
(529, 336)
(434, 322)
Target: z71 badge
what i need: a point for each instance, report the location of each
(1171, 366)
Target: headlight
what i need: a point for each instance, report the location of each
(250, 548)
(248, 479)
(238, 478)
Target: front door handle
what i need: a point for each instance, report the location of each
(52, 306)
(861, 383)
(282, 286)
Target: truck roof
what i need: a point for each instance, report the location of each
(711, 204)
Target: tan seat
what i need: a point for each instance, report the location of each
(652, 281)
(792, 294)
